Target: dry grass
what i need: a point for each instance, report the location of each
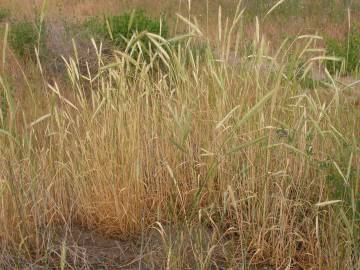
(315, 18)
(194, 162)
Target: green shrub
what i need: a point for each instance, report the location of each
(6, 98)
(4, 13)
(95, 26)
(128, 24)
(120, 28)
(334, 48)
(348, 50)
(24, 37)
(3, 107)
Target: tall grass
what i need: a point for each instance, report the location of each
(233, 165)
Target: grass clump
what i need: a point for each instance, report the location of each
(4, 14)
(225, 166)
(24, 38)
(3, 108)
(348, 50)
(119, 29)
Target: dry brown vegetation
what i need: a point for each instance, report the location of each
(181, 160)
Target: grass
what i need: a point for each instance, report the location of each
(348, 51)
(4, 13)
(24, 38)
(120, 29)
(201, 163)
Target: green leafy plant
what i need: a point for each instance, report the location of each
(24, 38)
(3, 108)
(121, 28)
(125, 26)
(348, 50)
(4, 13)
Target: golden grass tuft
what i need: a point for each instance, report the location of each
(230, 165)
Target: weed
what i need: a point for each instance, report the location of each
(3, 108)
(119, 29)
(4, 14)
(348, 50)
(24, 38)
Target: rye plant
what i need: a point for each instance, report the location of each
(226, 165)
